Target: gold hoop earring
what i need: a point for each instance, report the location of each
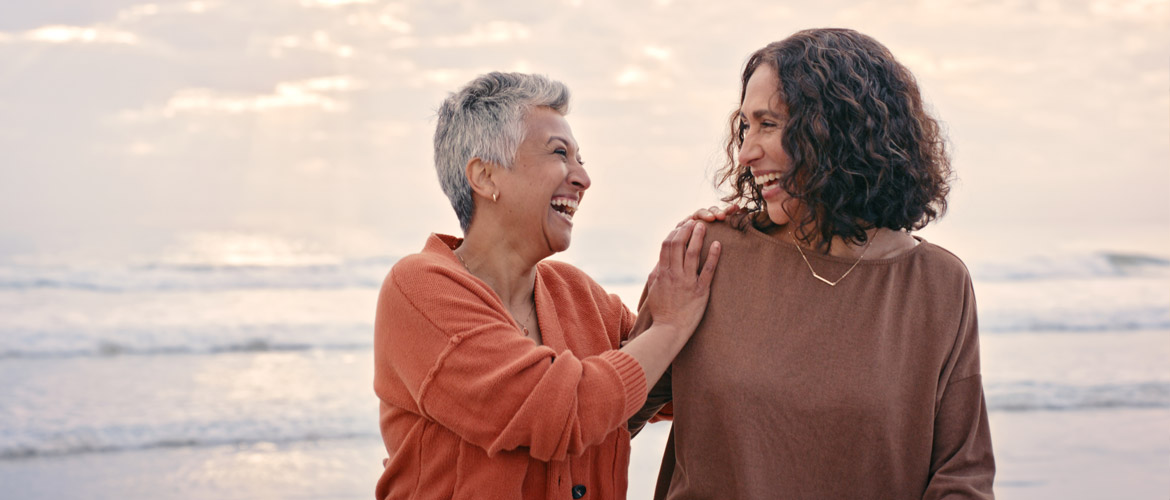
(495, 197)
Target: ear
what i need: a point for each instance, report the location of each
(479, 175)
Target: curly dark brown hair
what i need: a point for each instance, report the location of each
(865, 153)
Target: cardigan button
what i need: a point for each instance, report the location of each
(578, 491)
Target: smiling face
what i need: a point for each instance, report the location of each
(762, 118)
(547, 180)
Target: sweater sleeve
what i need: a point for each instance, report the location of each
(962, 465)
(658, 404)
(465, 366)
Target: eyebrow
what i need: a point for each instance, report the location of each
(568, 143)
(558, 138)
(761, 113)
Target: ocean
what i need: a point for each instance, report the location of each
(185, 379)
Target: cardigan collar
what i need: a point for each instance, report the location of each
(551, 333)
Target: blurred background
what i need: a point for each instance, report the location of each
(199, 199)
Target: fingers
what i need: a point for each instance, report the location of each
(678, 241)
(715, 213)
(664, 255)
(691, 260)
(704, 214)
(712, 214)
(708, 271)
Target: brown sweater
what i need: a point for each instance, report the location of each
(794, 389)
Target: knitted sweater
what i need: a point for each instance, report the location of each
(472, 408)
(794, 389)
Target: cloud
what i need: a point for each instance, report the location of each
(494, 32)
(139, 12)
(303, 94)
(650, 67)
(329, 4)
(1133, 10)
(391, 17)
(393, 23)
(199, 7)
(631, 75)
(925, 63)
(61, 34)
(228, 83)
(319, 41)
(140, 148)
(657, 53)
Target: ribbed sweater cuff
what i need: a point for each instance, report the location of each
(633, 379)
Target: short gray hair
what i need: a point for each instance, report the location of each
(485, 120)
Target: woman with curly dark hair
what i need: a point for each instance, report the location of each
(839, 355)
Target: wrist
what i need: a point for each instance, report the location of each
(673, 331)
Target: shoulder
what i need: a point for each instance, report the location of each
(433, 270)
(433, 287)
(739, 241)
(939, 261)
(735, 227)
(418, 268)
(941, 275)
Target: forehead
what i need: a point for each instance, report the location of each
(762, 91)
(543, 123)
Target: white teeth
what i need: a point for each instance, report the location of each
(565, 202)
(766, 178)
(568, 207)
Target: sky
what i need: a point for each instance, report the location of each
(301, 129)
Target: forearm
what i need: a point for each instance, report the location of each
(660, 394)
(655, 349)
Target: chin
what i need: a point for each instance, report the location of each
(560, 244)
(564, 245)
(776, 214)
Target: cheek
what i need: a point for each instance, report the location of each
(778, 155)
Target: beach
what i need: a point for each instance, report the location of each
(195, 382)
(1066, 455)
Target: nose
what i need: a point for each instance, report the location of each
(750, 150)
(578, 177)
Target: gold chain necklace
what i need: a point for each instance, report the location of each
(524, 324)
(822, 278)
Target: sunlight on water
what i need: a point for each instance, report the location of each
(246, 249)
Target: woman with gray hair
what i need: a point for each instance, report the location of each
(502, 375)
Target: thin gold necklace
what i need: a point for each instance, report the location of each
(524, 324)
(822, 278)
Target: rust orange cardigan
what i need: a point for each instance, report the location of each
(470, 408)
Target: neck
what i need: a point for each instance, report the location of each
(500, 264)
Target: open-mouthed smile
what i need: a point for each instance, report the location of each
(565, 207)
(769, 183)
